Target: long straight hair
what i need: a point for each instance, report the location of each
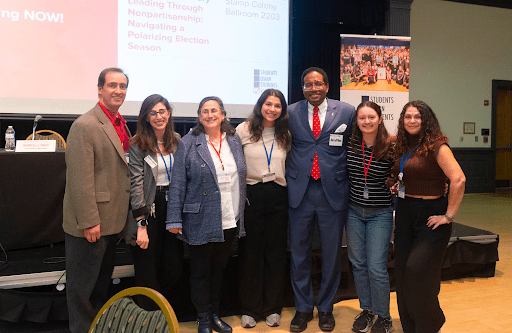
(255, 120)
(145, 137)
(382, 145)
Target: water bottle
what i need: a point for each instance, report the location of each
(10, 143)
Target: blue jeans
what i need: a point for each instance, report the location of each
(368, 235)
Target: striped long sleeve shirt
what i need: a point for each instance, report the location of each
(378, 172)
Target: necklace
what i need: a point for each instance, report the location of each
(160, 142)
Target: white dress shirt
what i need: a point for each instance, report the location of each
(322, 111)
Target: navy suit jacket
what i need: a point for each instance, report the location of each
(331, 159)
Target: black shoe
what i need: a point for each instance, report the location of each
(326, 321)
(383, 325)
(300, 321)
(218, 325)
(363, 322)
(204, 324)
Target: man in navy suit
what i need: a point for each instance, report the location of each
(318, 192)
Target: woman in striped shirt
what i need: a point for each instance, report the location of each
(370, 217)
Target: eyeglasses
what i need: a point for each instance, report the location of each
(161, 112)
(310, 85)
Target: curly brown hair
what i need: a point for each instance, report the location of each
(430, 131)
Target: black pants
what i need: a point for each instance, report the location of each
(89, 268)
(160, 266)
(262, 252)
(207, 263)
(419, 255)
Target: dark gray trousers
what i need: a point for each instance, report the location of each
(207, 263)
(89, 268)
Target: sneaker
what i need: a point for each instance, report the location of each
(363, 322)
(382, 325)
(248, 321)
(273, 320)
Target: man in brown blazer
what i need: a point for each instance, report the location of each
(96, 199)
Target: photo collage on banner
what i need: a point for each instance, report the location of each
(376, 68)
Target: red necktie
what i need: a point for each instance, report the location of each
(315, 171)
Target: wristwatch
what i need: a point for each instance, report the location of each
(449, 218)
(142, 223)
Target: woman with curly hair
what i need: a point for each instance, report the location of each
(266, 141)
(423, 162)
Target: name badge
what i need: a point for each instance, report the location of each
(401, 190)
(268, 177)
(336, 140)
(150, 161)
(224, 178)
(127, 155)
(366, 192)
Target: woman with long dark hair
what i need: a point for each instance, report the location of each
(423, 162)
(206, 206)
(157, 255)
(266, 141)
(370, 217)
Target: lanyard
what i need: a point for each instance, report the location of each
(402, 162)
(269, 157)
(218, 151)
(364, 165)
(167, 170)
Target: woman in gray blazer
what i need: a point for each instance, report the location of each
(206, 205)
(157, 255)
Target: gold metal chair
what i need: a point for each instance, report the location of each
(121, 314)
(49, 135)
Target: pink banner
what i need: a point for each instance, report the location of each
(52, 49)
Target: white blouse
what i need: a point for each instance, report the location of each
(161, 179)
(228, 181)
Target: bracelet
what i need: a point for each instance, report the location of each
(449, 218)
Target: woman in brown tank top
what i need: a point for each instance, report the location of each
(423, 162)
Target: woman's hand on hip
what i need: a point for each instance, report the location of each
(435, 221)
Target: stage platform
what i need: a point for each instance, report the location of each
(31, 281)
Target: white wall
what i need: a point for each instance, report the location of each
(456, 51)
